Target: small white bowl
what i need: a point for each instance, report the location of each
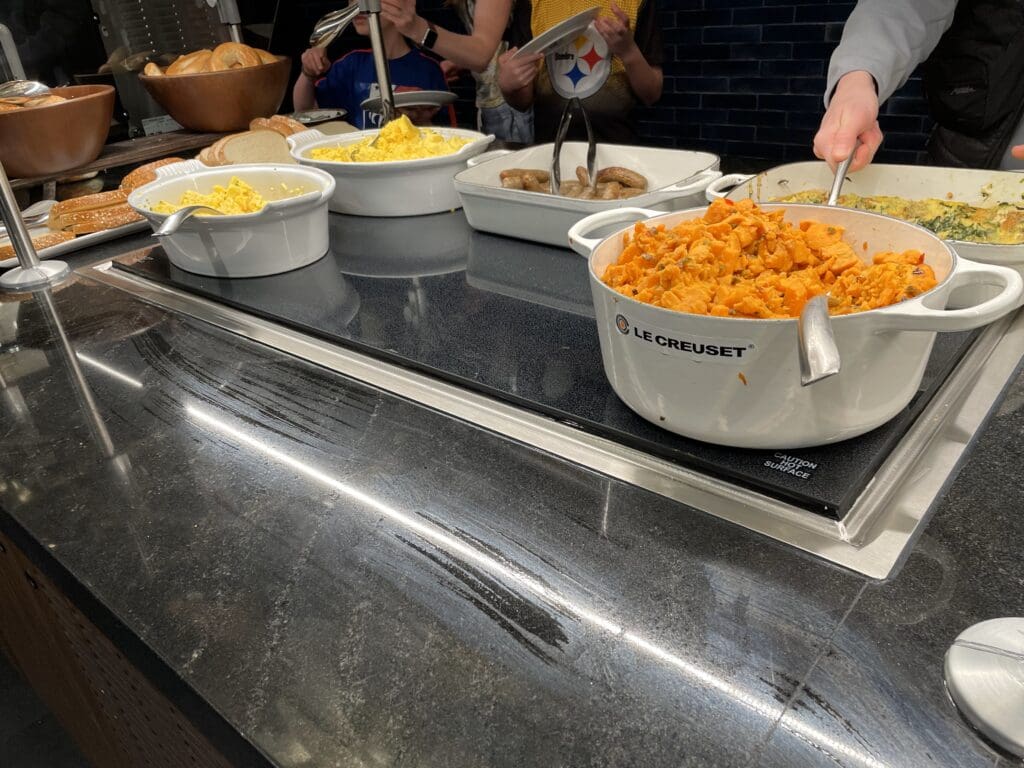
(287, 234)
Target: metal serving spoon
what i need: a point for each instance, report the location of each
(819, 355)
(172, 222)
(13, 88)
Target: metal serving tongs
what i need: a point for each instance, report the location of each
(14, 88)
(571, 105)
(819, 355)
(334, 23)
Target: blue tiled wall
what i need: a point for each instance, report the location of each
(746, 78)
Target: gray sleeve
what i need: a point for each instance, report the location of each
(889, 38)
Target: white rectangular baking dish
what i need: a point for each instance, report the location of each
(913, 182)
(676, 179)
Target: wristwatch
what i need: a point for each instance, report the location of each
(429, 37)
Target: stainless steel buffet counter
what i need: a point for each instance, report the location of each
(327, 555)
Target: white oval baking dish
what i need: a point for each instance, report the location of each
(287, 234)
(396, 188)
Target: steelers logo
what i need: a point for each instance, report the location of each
(580, 66)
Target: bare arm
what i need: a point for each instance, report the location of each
(304, 94)
(474, 51)
(314, 64)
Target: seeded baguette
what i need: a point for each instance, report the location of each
(39, 242)
(144, 174)
(86, 222)
(61, 212)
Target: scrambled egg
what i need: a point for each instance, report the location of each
(738, 260)
(1001, 224)
(398, 140)
(236, 197)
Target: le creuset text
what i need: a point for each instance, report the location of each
(698, 349)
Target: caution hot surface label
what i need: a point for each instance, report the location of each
(697, 348)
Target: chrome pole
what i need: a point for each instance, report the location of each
(227, 10)
(380, 60)
(32, 273)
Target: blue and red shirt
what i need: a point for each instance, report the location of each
(352, 79)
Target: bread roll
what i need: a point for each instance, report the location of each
(266, 57)
(191, 63)
(259, 123)
(153, 70)
(233, 56)
(263, 146)
(39, 242)
(144, 174)
(285, 125)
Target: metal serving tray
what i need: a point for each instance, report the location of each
(78, 243)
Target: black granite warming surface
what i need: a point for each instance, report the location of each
(514, 319)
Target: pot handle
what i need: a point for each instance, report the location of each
(724, 185)
(181, 168)
(483, 157)
(696, 183)
(917, 317)
(584, 246)
(304, 138)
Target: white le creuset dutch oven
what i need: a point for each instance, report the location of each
(736, 382)
(287, 234)
(395, 188)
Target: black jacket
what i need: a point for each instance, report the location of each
(974, 81)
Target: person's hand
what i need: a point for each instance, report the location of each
(1018, 151)
(402, 14)
(616, 32)
(451, 71)
(315, 63)
(852, 114)
(517, 73)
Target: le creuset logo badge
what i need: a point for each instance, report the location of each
(695, 348)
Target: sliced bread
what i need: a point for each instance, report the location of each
(263, 146)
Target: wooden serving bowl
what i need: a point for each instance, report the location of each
(217, 102)
(41, 141)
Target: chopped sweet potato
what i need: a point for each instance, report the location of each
(741, 261)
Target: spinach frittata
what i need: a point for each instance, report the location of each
(1001, 224)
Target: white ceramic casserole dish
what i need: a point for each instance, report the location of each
(395, 188)
(676, 179)
(736, 381)
(287, 234)
(913, 182)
